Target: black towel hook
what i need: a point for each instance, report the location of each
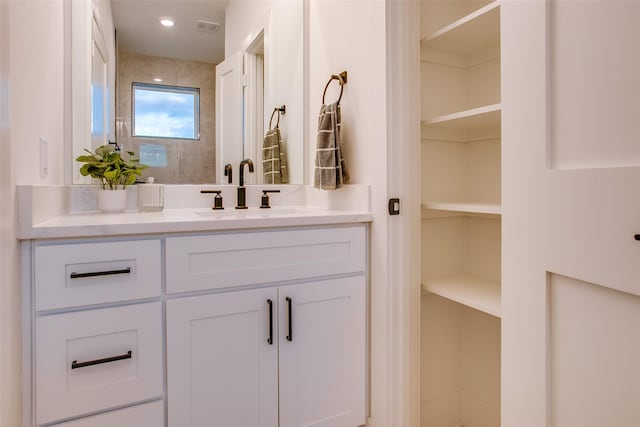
(342, 78)
(280, 110)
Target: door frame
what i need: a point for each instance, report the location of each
(256, 73)
(231, 66)
(403, 237)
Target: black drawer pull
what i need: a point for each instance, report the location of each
(270, 339)
(637, 237)
(100, 273)
(76, 365)
(290, 331)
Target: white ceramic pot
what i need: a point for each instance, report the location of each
(112, 200)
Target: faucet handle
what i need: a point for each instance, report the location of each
(265, 198)
(217, 200)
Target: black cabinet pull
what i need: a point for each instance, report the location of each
(76, 365)
(100, 273)
(270, 339)
(637, 237)
(290, 332)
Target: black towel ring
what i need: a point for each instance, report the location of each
(342, 78)
(275, 110)
(278, 110)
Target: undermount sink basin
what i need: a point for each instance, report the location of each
(231, 212)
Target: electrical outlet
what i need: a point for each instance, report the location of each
(44, 157)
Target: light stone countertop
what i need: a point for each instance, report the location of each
(58, 212)
(186, 220)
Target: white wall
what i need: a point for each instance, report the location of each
(244, 19)
(37, 80)
(242, 22)
(350, 35)
(9, 354)
(31, 106)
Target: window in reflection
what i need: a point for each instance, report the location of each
(165, 111)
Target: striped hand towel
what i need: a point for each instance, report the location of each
(330, 172)
(274, 158)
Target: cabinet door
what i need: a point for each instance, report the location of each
(322, 353)
(221, 368)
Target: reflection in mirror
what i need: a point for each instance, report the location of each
(263, 40)
(189, 160)
(92, 75)
(277, 58)
(165, 102)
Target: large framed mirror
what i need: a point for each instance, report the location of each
(195, 95)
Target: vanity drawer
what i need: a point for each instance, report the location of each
(94, 360)
(147, 415)
(91, 273)
(236, 259)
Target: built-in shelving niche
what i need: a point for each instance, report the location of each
(461, 214)
(461, 309)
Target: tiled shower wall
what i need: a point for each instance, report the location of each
(188, 161)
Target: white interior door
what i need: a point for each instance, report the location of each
(229, 114)
(571, 264)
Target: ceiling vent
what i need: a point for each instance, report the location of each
(207, 27)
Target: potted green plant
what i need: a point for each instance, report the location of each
(113, 172)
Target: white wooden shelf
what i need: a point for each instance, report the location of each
(478, 208)
(481, 118)
(481, 294)
(472, 33)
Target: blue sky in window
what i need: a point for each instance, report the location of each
(164, 114)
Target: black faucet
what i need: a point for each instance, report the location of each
(228, 171)
(242, 191)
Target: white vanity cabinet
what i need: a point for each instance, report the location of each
(254, 327)
(288, 352)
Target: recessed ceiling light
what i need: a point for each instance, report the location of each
(157, 79)
(167, 22)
